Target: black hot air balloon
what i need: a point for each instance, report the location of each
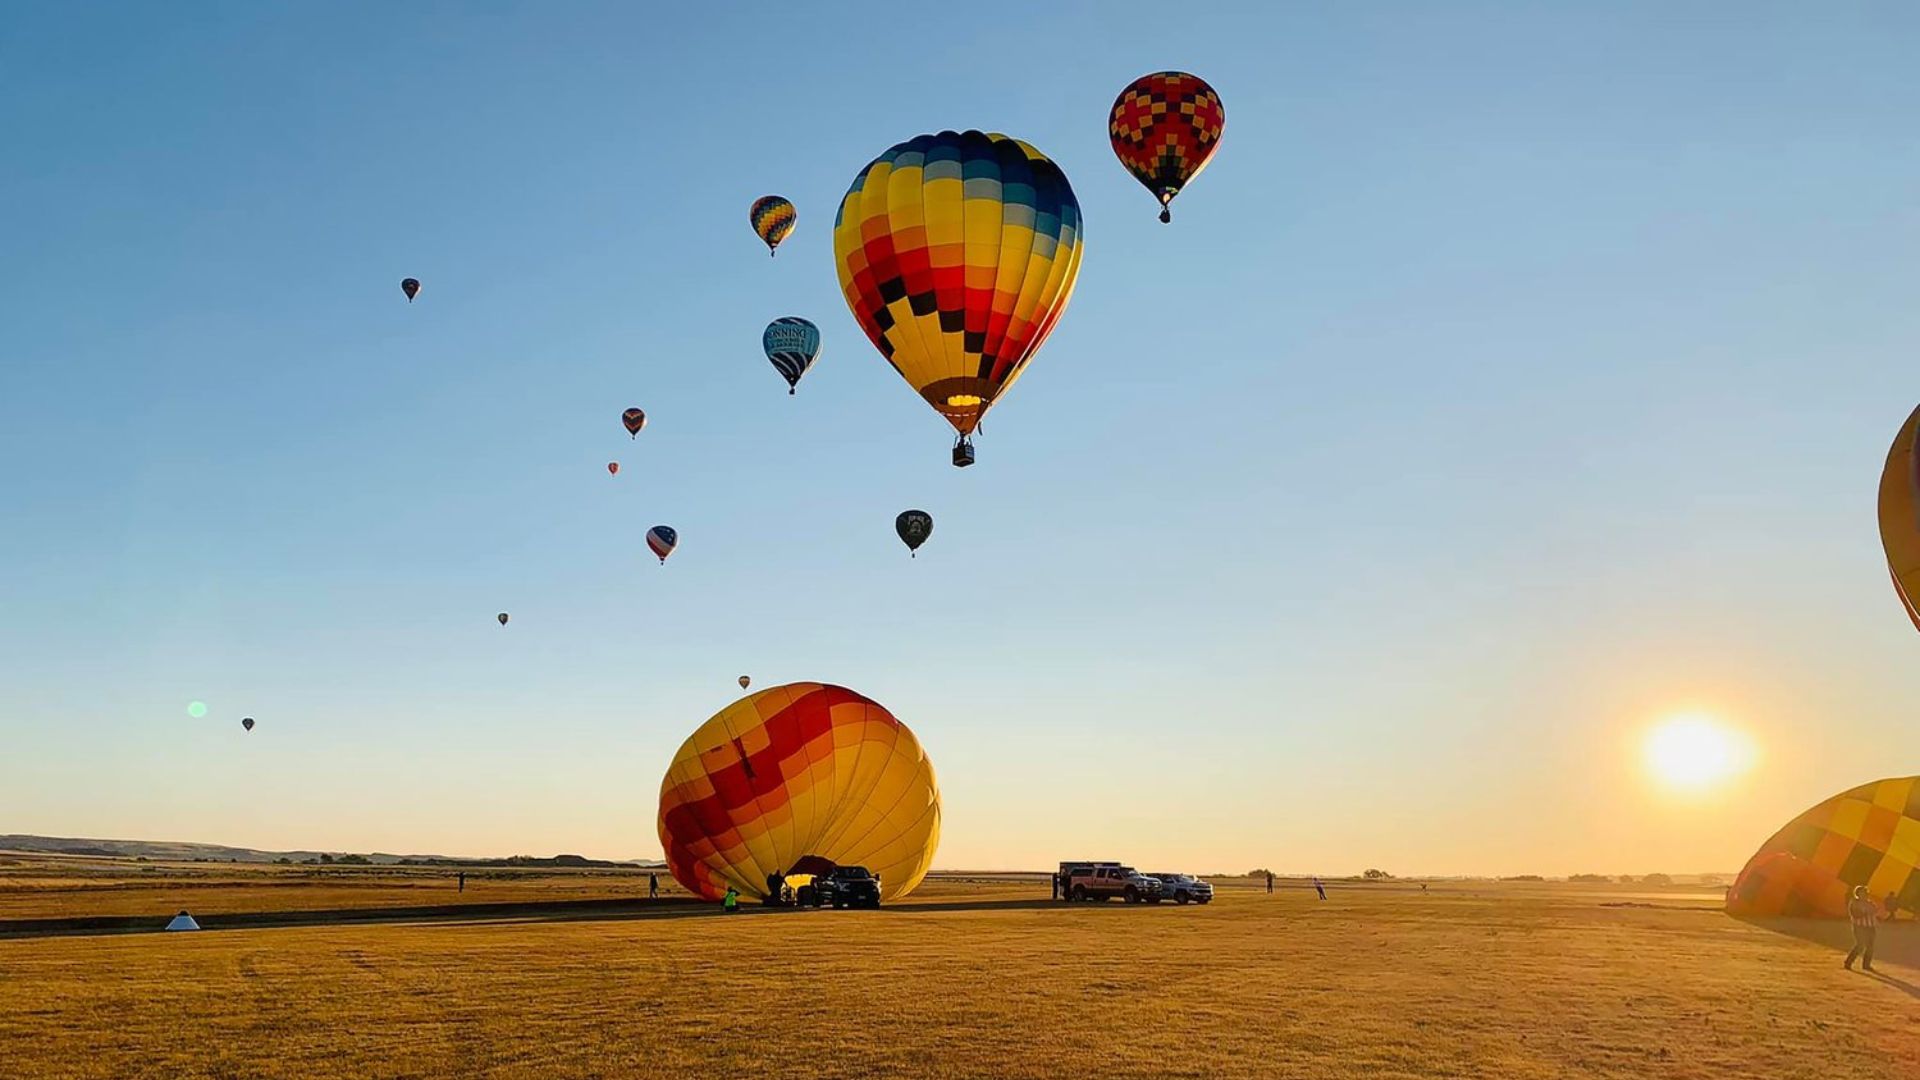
(502, 617)
(634, 419)
(247, 723)
(914, 526)
(410, 286)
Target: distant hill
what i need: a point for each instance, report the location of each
(181, 851)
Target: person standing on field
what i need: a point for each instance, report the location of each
(1269, 882)
(653, 886)
(1865, 928)
(463, 881)
(1319, 888)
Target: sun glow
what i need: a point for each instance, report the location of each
(1696, 752)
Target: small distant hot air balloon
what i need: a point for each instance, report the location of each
(956, 306)
(247, 723)
(661, 540)
(502, 617)
(792, 345)
(914, 526)
(1164, 128)
(773, 219)
(410, 286)
(613, 468)
(634, 420)
(745, 682)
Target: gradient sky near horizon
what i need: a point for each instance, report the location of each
(1513, 379)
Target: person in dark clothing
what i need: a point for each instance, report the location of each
(463, 881)
(653, 886)
(1053, 886)
(1269, 881)
(1319, 888)
(1865, 928)
(773, 888)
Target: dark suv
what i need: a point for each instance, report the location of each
(847, 886)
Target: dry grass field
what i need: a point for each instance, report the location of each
(974, 976)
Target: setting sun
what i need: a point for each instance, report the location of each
(1696, 751)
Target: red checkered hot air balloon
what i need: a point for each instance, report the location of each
(1165, 128)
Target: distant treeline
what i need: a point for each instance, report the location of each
(510, 862)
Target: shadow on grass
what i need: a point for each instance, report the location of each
(1898, 942)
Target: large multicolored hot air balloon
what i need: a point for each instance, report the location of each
(957, 254)
(410, 286)
(1164, 128)
(773, 219)
(792, 345)
(1867, 836)
(913, 527)
(661, 540)
(805, 771)
(633, 420)
(1900, 516)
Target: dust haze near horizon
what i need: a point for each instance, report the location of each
(1511, 381)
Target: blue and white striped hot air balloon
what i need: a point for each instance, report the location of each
(792, 345)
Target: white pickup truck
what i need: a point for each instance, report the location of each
(1104, 881)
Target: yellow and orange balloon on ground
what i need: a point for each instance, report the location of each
(957, 254)
(805, 769)
(1867, 836)
(1900, 516)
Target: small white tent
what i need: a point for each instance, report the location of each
(183, 921)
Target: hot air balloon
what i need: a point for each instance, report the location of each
(957, 254)
(613, 468)
(914, 526)
(773, 218)
(745, 682)
(797, 777)
(502, 617)
(1900, 516)
(1164, 128)
(792, 345)
(634, 420)
(247, 722)
(410, 286)
(1868, 836)
(661, 539)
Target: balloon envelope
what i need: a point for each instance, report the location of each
(502, 617)
(1164, 128)
(633, 420)
(661, 540)
(1900, 516)
(805, 771)
(745, 682)
(957, 254)
(1868, 836)
(792, 345)
(913, 528)
(410, 286)
(247, 723)
(773, 219)
(613, 468)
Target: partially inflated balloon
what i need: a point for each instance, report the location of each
(661, 540)
(745, 682)
(1164, 128)
(633, 420)
(913, 527)
(1867, 836)
(805, 771)
(247, 723)
(1900, 516)
(792, 345)
(773, 219)
(957, 254)
(502, 617)
(410, 286)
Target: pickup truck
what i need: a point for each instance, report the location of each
(847, 886)
(1104, 881)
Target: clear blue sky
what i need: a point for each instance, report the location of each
(1513, 377)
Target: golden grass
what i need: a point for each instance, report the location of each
(970, 979)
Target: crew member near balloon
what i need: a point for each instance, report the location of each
(958, 309)
(1164, 128)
